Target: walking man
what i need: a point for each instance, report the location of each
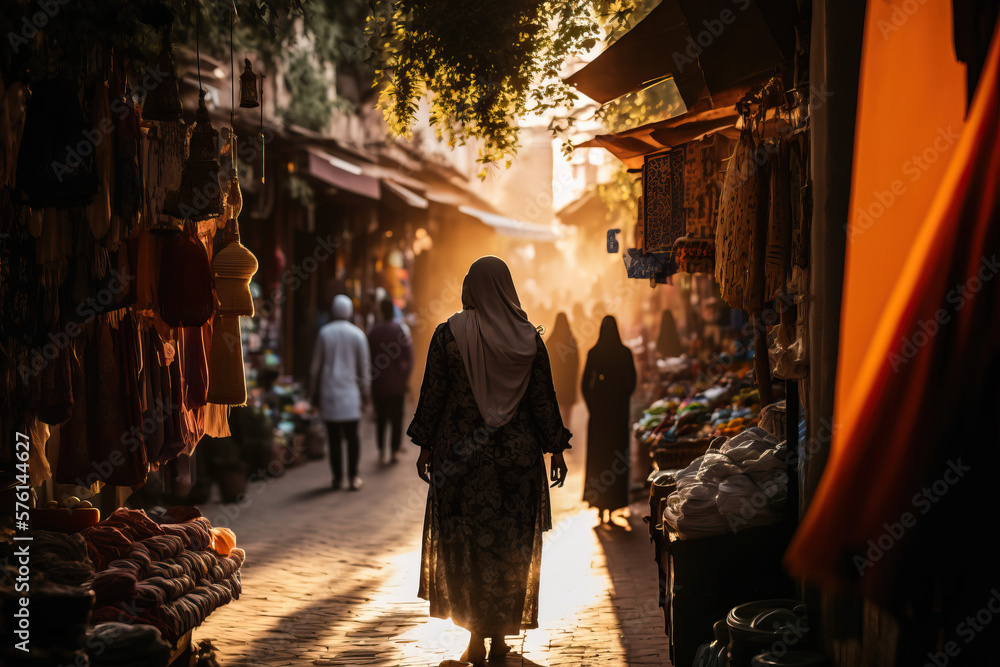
(392, 361)
(339, 386)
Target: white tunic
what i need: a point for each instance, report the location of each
(340, 371)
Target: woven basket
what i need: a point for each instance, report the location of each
(679, 454)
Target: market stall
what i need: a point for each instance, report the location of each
(725, 202)
(122, 283)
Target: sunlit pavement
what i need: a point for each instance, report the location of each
(331, 577)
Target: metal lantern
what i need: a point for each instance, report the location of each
(248, 87)
(163, 100)
(200, 195)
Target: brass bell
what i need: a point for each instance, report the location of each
(248, 87)
(163, 100)
(200, 195)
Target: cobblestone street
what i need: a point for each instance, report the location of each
(331, 577)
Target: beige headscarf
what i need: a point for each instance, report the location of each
(497, 342)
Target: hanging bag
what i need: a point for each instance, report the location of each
(186, 298)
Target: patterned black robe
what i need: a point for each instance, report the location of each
(488, 502)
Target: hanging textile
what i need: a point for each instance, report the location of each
(738, 210)
(103, 440)
(703, 164)
(20, 277)
(663, 201)
(894, 425)
(185, 282)
(655, 267)
(777, 238)
(99, 210)
(128, 193)
(50, 169)
(11, 127)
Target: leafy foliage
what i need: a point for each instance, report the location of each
(312, 105)
(483, 64)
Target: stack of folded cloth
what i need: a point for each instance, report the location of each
(168, 576)
(105, 544)
(133, 523)
(60, 558)
(196, 533)
(114, 585)
(743, 484)
(122, 645)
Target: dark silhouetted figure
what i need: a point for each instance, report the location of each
(565, 358)
(392, 361)
(486, 416)
(668, 344)
(608, 382)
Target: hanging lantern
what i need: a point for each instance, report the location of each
(233, 267)
(200, 195)
(248, 87)
(163, 100)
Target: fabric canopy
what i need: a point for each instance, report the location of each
(631, 146)
(342, 174)
(706, 46)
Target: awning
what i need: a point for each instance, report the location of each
(640, 58)
(631, 145)
(505, 226)
(341, 174)
(706, 46)
(407, 197)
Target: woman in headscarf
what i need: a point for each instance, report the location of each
(668, 344)
(487, 413)
(608, 382)
(565, 360)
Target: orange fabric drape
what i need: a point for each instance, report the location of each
(934, 333)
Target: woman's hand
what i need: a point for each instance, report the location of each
(559, 470)
(422, 464)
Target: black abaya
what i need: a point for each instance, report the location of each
(608, 382)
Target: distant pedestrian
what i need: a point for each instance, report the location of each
(392, 362)
(565, 359)
(339, 385)
(608, 382)
(668, 344)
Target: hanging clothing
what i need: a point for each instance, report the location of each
(488, 501)
(495, 338)
(928, 372)
(565, 357)
(608, 382)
